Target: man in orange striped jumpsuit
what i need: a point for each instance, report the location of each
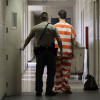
(63, 64)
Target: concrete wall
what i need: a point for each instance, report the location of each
(2, 49)
(84, 17)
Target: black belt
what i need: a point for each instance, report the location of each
(46, 48)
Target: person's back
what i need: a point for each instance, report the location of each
(66, 33)
(44, 35)
(63, 64)
(48, 36)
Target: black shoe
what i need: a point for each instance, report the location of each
(50, 93)
(67, 92)
(38, 94)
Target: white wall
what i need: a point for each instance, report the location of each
(99, 41)
(86, 9)
(85, 6)
(24, 33)
(2, 49)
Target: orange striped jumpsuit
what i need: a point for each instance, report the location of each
(63, 65)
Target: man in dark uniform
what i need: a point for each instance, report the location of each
(46, 55)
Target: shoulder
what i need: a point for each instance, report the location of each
(36, 26)
(52, 26)
(57, 24)
(67, 24)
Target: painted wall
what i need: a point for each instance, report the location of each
(86, 8)
(24, 54)
(2, 49)
(84, 17)
(24, 34)
(99, 41)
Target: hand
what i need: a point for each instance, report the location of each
(77, 44)
(61, 53)
(72, 55)
(21, 49)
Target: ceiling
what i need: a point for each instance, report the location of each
(52, 2)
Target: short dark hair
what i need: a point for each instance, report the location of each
(62, 14)
(44, 16)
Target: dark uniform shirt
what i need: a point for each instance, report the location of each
(47, 38)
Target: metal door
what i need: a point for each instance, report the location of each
(13, 27)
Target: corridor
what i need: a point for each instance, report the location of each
(18, 68)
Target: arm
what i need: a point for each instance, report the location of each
(76, 42)
(73, 40)
(59, 42)
(72, 48)
(60, 46)
(26, 42)
(31, 35)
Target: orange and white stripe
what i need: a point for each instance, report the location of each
(62, 75)
(66, 33)
(63, 65)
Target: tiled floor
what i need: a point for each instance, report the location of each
(74, 96)
(28, 87)
(28, 81)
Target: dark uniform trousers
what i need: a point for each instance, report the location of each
(45, 58)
